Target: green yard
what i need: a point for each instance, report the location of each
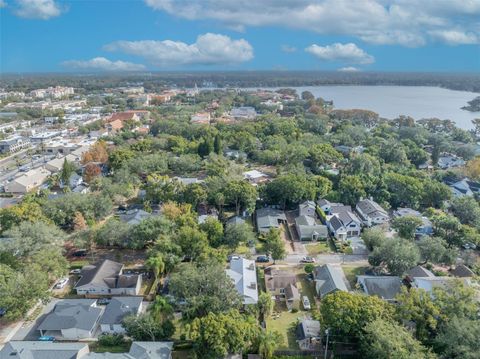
(284, 322)
(316, 248)
(351, 273)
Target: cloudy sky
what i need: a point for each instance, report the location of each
(340, 35)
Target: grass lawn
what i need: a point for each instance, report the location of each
(123, 348)
(181, 354)
(285, 325)
(351, 273)
(306, 288)
(316, 248)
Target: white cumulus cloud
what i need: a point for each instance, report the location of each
(348, 69)
(208, 49)
(455, 37)
(348, 53)
(405, 22)
(103, 64)
(37, 9)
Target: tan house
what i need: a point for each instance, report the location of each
(27, 182)
(282, 284)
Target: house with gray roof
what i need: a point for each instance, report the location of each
(342, 222)
(328, 279)
(269, 218)
(43, 350)
(116, 310)
(371, 213)
(420, 272)
(462, 271)
(308, 334)
(54, 350)
(243, 273)
(430, 283)
(309, 230)
(107, 278)
(385, 287)
(307, 208)
(134, 216)
(425, 229)
(72, 319)
(463, 187)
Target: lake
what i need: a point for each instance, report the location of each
(392, 101)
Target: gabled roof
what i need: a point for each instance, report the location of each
(277, 278)
(329, 278)
(371, 208)
(72, 313)
(235, 220)
(120, 307)
(430, 283)
(96, 274)
(134, 216)
(244, 275)
(41, 350)
(269, 217)
(151, 350)
(385, 287)
(308, 329)
(304, 220)
(335, 223)
(420, 272)
(307, 207)
(291, 292)
(462, 271)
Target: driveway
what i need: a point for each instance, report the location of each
(360, 259)
(28, 331)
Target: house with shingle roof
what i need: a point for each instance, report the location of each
(282, 284)
(371, 213)
(72, 319)
(43, 350)
(385, 287)
(462, 271)
(328, 279)
(107, 278)
(309, 230)
(116, 310)
(269, 218)
(343, 223)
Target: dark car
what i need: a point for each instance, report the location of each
(103, 301)
(3, 311)
(262, 259)
(80, 253)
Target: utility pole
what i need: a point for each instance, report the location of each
(326, 344)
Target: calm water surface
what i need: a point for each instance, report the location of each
(392, 101)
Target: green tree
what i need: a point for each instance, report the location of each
(398, 255)
(205, 288)
(458, 338)
(373, 237)
(434, 250)
(218, 334)
(214, 231)
(274, 244)
(241, 194)
(448, 228)
(406, 226)
(146, 328)
(351, 189)
(387, 340)
(156, 265)
(217, 145)
(265, 304)
(237, 233)
(467, 210)
(68, 169)
(347, 314)
(161, 310)
(267, 342)
(289, 189)
(417, 306)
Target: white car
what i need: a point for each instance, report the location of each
(76, 271)
(61, 283)
(306, 303)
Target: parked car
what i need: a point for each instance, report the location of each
(307, 260)
(80, 253)
(232, 257)
(46, 338)
(76, 271)
(306, 303)
(103, 301)
(469, 246)
(61, 283)
(262, 259)
(3, 311)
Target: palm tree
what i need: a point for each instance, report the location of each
(161, 310)
(156, 265)
(267, 342)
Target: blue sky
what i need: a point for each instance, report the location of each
(133, 35)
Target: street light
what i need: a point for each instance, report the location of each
(326, 345)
